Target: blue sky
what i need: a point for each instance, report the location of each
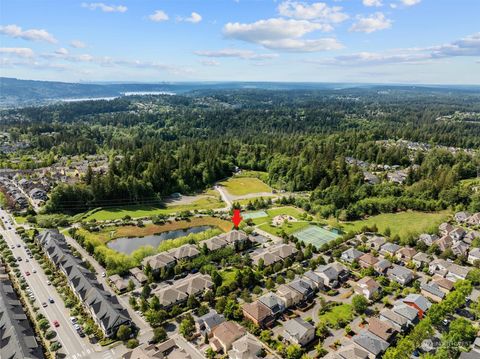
(381, 41)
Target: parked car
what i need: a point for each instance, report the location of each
(56, 324)
(51, 300)
(27, 273)
(44, 304)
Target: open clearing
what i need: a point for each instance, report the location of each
(264, 219)
(338, 313)
(240, 186)
(403, 223)
(204, 203)
(110, 233)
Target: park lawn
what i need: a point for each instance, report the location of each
(403, 223)
(273, 212)
(289, 228)
(342, 312)
(109, 233)
(140, 211)
(239, 186)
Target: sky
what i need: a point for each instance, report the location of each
(354, 41)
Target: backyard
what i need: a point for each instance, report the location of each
(337, 315)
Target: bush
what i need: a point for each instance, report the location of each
(132, 343)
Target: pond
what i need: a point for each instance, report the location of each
(128, 245)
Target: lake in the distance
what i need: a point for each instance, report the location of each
(129, 245)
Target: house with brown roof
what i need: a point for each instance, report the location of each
(118, 283)
(405, 254)
(224, 335)
(194, 284)
(474, 219)
(366, 287)
(258, 313)
(139, 275)
(444, 243)
(444, 284)
(159, 261)
(367, 260)
(169, 296)
(187, 251)
(382, 329)
(445, 228)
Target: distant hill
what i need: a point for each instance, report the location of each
(19, 93)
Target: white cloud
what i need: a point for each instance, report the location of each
(369, 24)
(104, 7)
(372, 3)
(17, 51)
(318, 11)
(78, 44)
(410, 2)
(158, 16)
(62, 51)
(194, 18)
(242, 54)
(467, 46)
(282, 34)
(209, 62)
(31, 35)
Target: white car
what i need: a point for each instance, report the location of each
(73, 320)
(103, 275)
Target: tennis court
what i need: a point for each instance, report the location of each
(253, 215)
(315, 235)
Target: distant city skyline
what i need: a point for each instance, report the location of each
(367, 41)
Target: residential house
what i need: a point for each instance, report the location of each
(169, 296)
(264, 255)
(471, 236)
(139, 275)
(165, 350)
(17, 337)
(213, 244)
(351, 255)
(460, 248)
(371, 343)
(398, 321)
(247, 347)
(382, 266)
(444, 284)
(419, 302)
(405, 254)
(366, 287)
(207, 322)
(289, 295)
(462, 217)
(187, 251)
(351, 351)
(314, 278)
(375, 242)
(224, 335)
(408, 312)
(303, 286)
(474, 219)
(389, 249)
(332, 274)
(382, 329)
(159, 261)
(194, 284)
(457, 272)
(432, 290)
(445, 228)
(474, 255)
(428, 239)
(457, 234)
(283, 250)
(444, 243)
(439, 266)
(273, 302)
(421, 259)
(367, 260)
(258, 313)
(119, 283)
(400, 275)
(298, 331)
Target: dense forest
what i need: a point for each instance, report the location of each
(164, 144)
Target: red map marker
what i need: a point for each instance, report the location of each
(236, 219)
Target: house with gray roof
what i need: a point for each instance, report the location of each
(314, 278)
(389, 248)
(247, 347)
(400, 274)
(396, 320)
(104, 307)
(382, 266)
(351, 351)
(273, 302)
(474, 255)
(159, 261)
(17, 337)
(303, 286)
(432, 290)
(207, 322)
(418, 302)
(187, 251)
(408, 312)
(332, 274)
(351, 255)
(428, 239)
(298, 331)
(370, 342)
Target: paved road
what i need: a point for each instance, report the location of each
(73, 346)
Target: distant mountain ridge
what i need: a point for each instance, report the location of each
(16, 92)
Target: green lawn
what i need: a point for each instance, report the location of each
(204, 203)
(264, 223)
(20, 219)
(228, 276)
(403, 223)
(239, 186)
(341, 312)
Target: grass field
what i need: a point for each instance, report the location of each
(264, 222)
(244, 202)
(110, 233)
(239, 185)
(338, 313)
(204, 203)
(228, 276)
(403, 223)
